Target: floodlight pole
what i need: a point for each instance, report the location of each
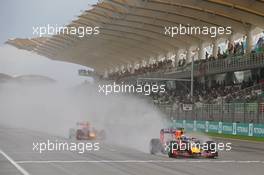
(192, 79)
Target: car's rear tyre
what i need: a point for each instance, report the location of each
(72, 134)
(155, 146)
(79, 134)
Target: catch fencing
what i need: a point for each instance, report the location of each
(227, 112)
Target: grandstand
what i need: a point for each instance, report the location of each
(228, 70)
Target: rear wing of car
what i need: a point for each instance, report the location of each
(171, 130)
(83, 124)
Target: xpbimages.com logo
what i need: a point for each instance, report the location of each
(79, 31)
(51, 146)
(213, 147)
(146, 89)
(212, 31)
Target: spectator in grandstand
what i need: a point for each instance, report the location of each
(219, 55)
(260, 45)
(230, 48)
(242, 50)
(206, 55)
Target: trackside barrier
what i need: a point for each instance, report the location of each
(243, 129)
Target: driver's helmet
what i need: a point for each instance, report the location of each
(184, 138)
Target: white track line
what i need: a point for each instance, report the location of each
(64, 170)
(22, 170)
(139, 161)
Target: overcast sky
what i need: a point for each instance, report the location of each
(17, 19)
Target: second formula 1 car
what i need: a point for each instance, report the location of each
(84, 131)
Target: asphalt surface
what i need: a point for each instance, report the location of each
(17, 157)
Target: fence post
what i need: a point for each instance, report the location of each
(258, 110)
(228, 110)
(192, 116)
(208, 113)
(171, 114)
(233, 112)
(222, 111)
(201, 112)
(178, 113)
(244, 113)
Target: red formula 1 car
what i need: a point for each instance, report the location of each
(174, 143)
(84, 131)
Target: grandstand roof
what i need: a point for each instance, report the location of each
(36, 78)
(25, 78)
(133, 30)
